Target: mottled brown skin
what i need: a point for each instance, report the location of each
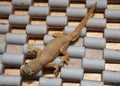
(53, 49)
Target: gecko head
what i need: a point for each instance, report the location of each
(26, 70)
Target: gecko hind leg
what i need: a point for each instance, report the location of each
(57, 34)
(54, 65)
(63, 50)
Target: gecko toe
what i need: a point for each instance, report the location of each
(56, 72)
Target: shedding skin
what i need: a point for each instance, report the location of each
(45, 57)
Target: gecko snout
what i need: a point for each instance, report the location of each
(24, 70)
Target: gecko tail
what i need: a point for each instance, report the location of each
(75, 34)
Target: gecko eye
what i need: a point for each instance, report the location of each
(25, 63)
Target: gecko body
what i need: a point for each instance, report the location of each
(53, 49)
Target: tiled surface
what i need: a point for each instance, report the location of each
(77, 62)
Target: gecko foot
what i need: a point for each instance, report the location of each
(65, 59)
(56, 72)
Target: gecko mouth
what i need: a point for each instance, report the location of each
(32, 51)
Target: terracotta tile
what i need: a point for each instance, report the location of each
(76, 63)
(2, 37)
(16, 49)
(93, 53)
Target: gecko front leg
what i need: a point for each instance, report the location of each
(54, 65)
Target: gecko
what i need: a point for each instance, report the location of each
(59, 45)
